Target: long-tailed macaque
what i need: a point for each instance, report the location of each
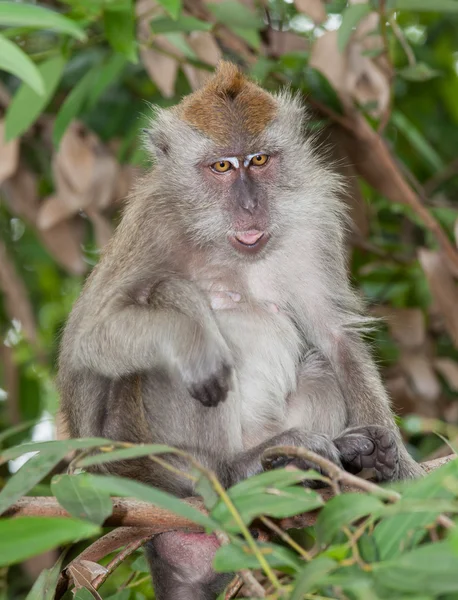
(220, 318)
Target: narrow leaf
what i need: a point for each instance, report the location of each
(184, 23)
(13, 60)
(124, 454)
(418, 141)
(278, 503)
(23, 537)
(54, 446)
(418, 72)
(173, 7)
(120, 31)
(391, 534)
(117, 486)
(73, 105)
(235, 556)
(81, 499)
(343, 510)
(19, 14)
(235, 14)
(351, 16)
(312, 575)
(425, 5)
(432, 568)
(26, 105)
(106, 74)
(44, 587)
(31, 473)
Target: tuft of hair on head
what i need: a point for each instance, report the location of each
(227, 105)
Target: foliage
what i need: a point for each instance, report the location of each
(75, 80)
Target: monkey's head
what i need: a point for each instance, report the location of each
(236, 162)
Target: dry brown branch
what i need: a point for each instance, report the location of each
(17, 301)
(136, 519)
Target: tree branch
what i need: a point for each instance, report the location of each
(136, 519)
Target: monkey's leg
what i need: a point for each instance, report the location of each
(367, 406)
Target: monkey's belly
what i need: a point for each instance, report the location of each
(266, 350)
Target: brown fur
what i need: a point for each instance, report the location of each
(229, 101)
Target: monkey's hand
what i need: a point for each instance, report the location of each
(208, 371)
(370, 447)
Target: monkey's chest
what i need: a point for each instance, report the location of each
(266, 349)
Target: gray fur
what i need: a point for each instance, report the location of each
(143, 336)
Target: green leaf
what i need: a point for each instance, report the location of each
(432, 568)
(140, 564)
(32, 472)
(235, 14)
(16, 429)
(83, 593)
(205, 489)
(344, 510)
(106, 75)
(173, 7)
(180, 42)
(424, 5)
(81, 499)
(13, 60)
(418, 141)
(54, 446)
(237, 556)
(117, 486)
(73, 105)
(312, 575)
(44, 587)
(277, 503)
(119, 27)
(18, 14)
(23, 537)
(393, 533)
(121, 595)
(184, 23)
(124, 454)
(26, 105)
(418, 72)
(351, 16)
(278, 478)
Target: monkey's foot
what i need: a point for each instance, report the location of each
(321, 445)
(370, 447)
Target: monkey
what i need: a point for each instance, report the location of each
(220, 318)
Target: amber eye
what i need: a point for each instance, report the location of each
(259, 160)
(222, 166)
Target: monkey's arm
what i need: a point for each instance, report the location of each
(174, 331)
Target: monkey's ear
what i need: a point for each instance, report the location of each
(155, 142)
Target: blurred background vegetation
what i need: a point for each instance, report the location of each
(381, 81)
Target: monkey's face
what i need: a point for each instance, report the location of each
(241, 185)
(235, 169)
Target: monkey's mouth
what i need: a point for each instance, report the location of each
(250, 241)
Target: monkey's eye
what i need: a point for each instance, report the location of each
(222, 166)
(259, 160)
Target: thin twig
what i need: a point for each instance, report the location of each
(286, 538)
(403, 42)
(335, 472)
(116, 561)
(234, 588)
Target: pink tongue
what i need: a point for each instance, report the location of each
(249, 237)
